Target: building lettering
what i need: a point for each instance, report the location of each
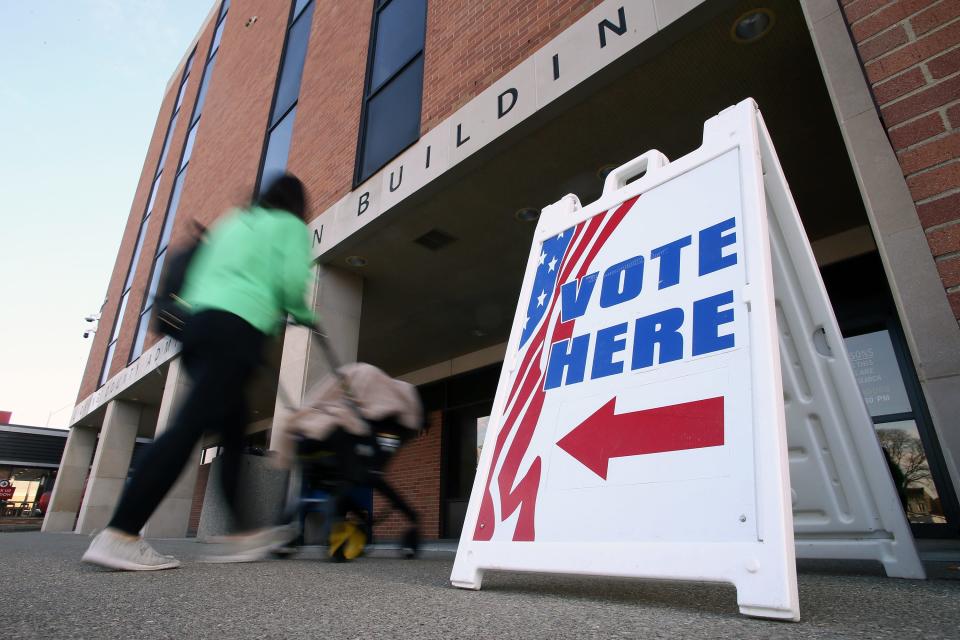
(460, 138)
(501, 111)
(399, 180)
(620, 28)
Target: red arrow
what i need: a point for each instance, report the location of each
(605, 435)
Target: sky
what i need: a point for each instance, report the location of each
(81, 83)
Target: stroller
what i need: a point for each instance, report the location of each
(337, 446)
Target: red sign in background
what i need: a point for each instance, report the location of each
(6, 492)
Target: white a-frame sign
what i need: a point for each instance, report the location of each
(640, 422)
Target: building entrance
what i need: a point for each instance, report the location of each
(463, 400)
(888, 382)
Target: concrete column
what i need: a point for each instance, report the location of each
(337, 300)
(172, 517)
(111, 463)
(68, 489)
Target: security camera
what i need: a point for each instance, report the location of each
(88, 333)
(92, 318)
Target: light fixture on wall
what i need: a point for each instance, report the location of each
(356, 261)
(527, 214)
(93, 317)
(752, 25)
(605, 170)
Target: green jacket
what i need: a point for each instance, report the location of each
(254, 263)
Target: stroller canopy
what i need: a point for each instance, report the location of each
(376, 395)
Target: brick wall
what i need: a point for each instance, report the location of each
(325, 132)
(470, 44)
(226, 155)
(415, 474)
(911, 54)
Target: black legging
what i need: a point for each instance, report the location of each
(221, 352)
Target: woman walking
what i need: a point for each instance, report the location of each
(250, 272)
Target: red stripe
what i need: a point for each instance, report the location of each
(524, 493)
(614, 222)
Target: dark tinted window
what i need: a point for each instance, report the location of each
(202, 94)
(142, 325)
(153, 193)
(166, 143)
(141, 235)
(217, 36)
(400, 35)
(155, 278)
(180, 94)
(298, 7)
(290, 75)
(278, 149)
(392, 119)
(106, 363)
(188, 149)
(119, 321)
(123, 308)
(172, 210)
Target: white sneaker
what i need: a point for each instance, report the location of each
(117, 550)
(253, 546)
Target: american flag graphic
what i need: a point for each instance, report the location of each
(563, 258)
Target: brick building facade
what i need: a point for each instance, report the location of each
(873, 159)
(911, 58)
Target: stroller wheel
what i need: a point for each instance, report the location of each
(410, 545)
(347, 541)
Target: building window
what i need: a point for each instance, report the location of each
(144, 222)
(298, 7)
(146, 310)
(188, 147)
(155, 278)
(142, 325)
(153, 194)
(287, 94)
(288, 87)
(166, 141)
(172, 211)
(202, 94)
(137, 248)
(105, 372)
(183, 85)
(217, 36)
(394, 88)
(278, 148)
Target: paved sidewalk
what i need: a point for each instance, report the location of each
(49, 593)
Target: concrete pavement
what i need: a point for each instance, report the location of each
(49, 593)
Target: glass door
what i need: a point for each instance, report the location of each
(898, 425)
